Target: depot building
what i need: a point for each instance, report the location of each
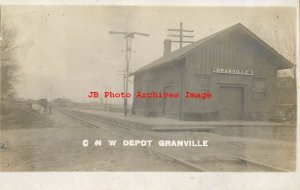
(234, 65)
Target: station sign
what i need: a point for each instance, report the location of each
(232, 71)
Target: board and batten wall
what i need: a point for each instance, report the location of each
(235, 50)
(155, 81)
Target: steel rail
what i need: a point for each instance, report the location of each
(175, 158)
(191, 165)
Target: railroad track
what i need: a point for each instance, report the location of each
(128, 132)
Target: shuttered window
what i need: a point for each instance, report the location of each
(259, 89)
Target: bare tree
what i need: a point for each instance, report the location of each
(9, 66)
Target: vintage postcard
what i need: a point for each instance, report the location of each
(108, 88)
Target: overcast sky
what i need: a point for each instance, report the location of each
(68, 49)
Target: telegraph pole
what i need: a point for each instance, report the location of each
(181, 35)
(122, 73)
(128, 39)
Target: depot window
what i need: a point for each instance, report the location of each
(259, 89)
(202, 83)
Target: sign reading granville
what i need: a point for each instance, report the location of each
(232, 71)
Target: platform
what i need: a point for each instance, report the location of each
(156, 123)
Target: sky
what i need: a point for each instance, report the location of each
(66, 51)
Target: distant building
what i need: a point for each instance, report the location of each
(234, 65)
(62, 102)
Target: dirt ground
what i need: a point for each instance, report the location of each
(53, 142)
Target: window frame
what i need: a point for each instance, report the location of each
(255, 92)
(197, 79)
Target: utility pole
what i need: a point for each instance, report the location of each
(122, 73)
(181, 35)
(128, 37)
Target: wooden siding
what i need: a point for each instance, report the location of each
(231, 51)
(156, 81)
(235, 50)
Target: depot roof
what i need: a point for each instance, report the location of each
(283, 63)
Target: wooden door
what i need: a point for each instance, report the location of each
(232, 103)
